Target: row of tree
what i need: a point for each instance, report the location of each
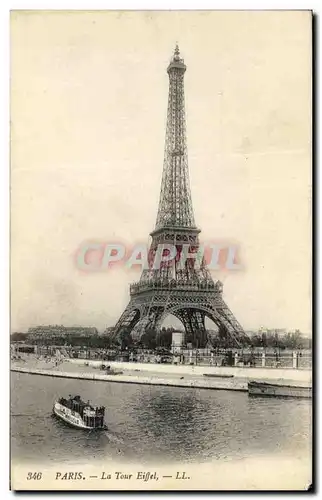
(163, 338)
(293, 340)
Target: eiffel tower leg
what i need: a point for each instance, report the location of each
(185, 318)
(198, 320)
(220, 314)
(159, 315)
(149, 321)
(151, 313)
(194, 323)
(127, 321)
(198, 323)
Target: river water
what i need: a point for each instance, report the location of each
(154, 424)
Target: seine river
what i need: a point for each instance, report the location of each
(154, 424)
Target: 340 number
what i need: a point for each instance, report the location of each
(34, 475)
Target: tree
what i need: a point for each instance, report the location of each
(17, 336)
(165, 337)
(126, 339)
(148, 339)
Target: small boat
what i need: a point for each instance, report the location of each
(217, 375)
(79, 414)
(278, 390)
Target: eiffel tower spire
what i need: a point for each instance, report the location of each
(175, 206)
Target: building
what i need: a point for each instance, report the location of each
(178, 339)
(42, 333)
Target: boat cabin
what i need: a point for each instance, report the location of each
(92, 416)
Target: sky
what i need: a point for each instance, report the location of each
(88, 114)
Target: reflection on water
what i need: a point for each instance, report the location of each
(149, 423)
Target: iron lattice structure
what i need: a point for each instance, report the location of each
(186, 291)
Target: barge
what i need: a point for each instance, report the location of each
(279, 390)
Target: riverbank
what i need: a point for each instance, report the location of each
(232, 385)
(215, 378)
(268, 374)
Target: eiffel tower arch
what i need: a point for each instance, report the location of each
(187, 289)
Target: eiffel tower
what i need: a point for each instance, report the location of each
(187, 290)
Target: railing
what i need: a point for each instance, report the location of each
(173, 285)
(204, 357)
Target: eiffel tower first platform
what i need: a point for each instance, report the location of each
(186, 291)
